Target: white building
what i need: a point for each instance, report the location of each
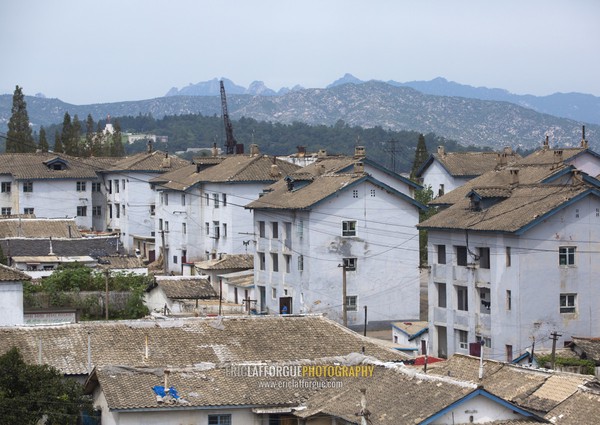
(11, 296)
(130, 200)
(516, 260)
(200, 208)
(49, 185)
(445, 171)
(323, 226)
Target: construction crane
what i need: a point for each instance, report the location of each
(230, 143)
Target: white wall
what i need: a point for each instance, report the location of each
(436, 175)
(11, 303)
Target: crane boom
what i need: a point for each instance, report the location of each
(230, 141)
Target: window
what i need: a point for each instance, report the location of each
(166, 226)
(487, 342)
(5, 187)
(165, 198)
(484, 258)
(123, 184)
(288, 262)
(348, 228)
(109, 209)
(441, 254)
(29, 211)
(183, 199)
(184, 228)
(96, 211)
(461, 255)
(117, 210)
(576, 212)
(216, 199)
(275, 228)
(566, 255)
(508, 258)
(441, 294)
(152, 209)
(261, 260)
(219, 419)
(224, 230)
(441, 190)
(351, 303)
(116, 186)
(372, 193)
(463, 339)
(567, 303)
(273, 293)
(216, 230)
(81, 211)
(509, 353)
(462, 298)
(6, 211)
(355, 193)
(27, 187)
(485, 298)
(300, 229)
(96, 187)
(224, 199)
(123, 209)
(508, 299)
(160, 224)
(207, 229)
(174, 259)
(207, 197)
(275, 261)
(261, 229)
(109, 188)
(80, 186)
(350, 264)
(300, 262)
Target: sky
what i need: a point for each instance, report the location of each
(86, 52)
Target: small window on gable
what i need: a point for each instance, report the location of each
(355, 193)
(576, 212)
(373, 193)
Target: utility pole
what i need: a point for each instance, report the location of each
(106, 275)
(220, 295)
(392, 149)
(365, 329)
(344, 311)
(247, 301)
(554, 337)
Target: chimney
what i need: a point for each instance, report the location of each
(514, 176)
(167, 371)
(322, 153)
(239, 149)
(301, 151)
(546, 144)
(359, 152)
(51, 251)
(320, 169)
(275, 171)
(584, 143)
(290, 183)
(359, 167)
(214, 150)
(501, 160)
(577, 178)
(166, 162)
(149, 148)
(508, 150)
(558, 156)
(441, 151)
(254, 151)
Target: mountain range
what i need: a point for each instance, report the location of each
(469, 115)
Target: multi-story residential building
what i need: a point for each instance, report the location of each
(332, 240)
(49, 185)
(200, 209)
(130, 200)
(514, 260)
(445, 171)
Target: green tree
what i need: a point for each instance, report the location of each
(89, 136)
(116, 144)
(75, 137)
(58, 147)
(66, 135)
(43, 143)
(29, 393)
(421, 156)
(19, 137)
(97, 142)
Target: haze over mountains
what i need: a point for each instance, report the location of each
(470, 115)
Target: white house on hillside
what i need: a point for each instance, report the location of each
(11, 296)
(319, 229)
(517, 259)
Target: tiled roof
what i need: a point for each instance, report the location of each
(589, 346)
(304, 195)
(156, 161)
(580, 408)
(120, 262)
(526, 205)
(38, 228)
(497, 179)
(185, 287)
(411, 328)
(94, 247)
(551, 156)
(227, 262)
(232, 169)
(25, 166)
(470, 164)
(186, 342)
(532, 389)
(11, 275)
(243, 279)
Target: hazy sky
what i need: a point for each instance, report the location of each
(117, 50)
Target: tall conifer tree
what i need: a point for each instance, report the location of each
(19, 137)
(421, 156)
(43, 143)
(89, 136)
(58, 147)
(66, 135)
(75, 137)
